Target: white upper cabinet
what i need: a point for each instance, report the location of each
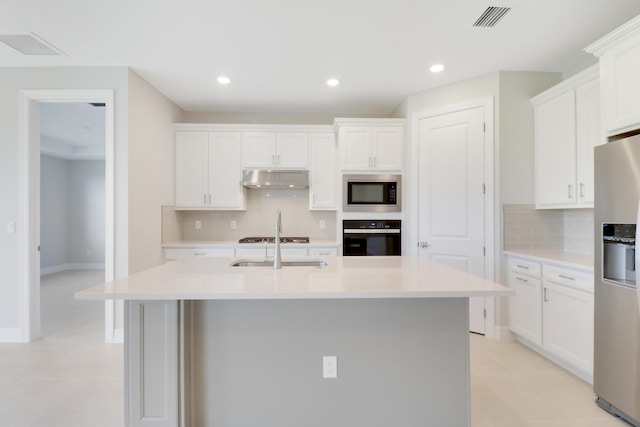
(283, 150)
(567, 127)
(323, 174)
(619, 53)
(208, 170)
(371, 144)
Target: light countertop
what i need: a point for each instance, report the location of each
(562, 258)
(345, 277)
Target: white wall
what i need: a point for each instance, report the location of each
(86, 211)
(72, 213)
(54, 212)
(12, 81)
(151, 175)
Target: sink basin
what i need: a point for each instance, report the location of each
(285, 263)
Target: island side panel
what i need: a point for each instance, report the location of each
(401, 362)
(151, 363)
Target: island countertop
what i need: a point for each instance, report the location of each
(343, 278)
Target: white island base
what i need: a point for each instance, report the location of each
(401, 362)
(210, 345)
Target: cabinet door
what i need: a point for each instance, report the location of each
(355, 148)
(387, 144)
(589, 134)
(525, 308)
(259, 149)
(192, 169)
(568, 325)
(292, 150)
(225, 170)
(288, 252)
(555, 142)
(621, 86)
(322, 182)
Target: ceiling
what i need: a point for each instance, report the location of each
(279, 53)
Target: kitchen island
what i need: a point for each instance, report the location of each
(209, 344)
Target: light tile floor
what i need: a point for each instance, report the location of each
(71, 378)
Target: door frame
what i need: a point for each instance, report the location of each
(29, 205)
(491, 193)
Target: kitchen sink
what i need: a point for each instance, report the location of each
(285, 263)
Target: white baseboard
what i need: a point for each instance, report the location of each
(71, 266)
(10, 335)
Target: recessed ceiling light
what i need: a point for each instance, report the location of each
(333, 82)
(436, 68)
(224, 80)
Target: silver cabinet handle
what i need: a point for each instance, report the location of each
(204, 199)
(209, 198)
(545, 298)
(566, 277)
(522, 280)
(199, 253)
(522, 266)
(582, 189)
(273, 160)
(570, 191)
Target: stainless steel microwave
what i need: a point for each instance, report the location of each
(371, 193)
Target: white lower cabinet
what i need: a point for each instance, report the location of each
(525, 312)
(552, 312)
(567, 313)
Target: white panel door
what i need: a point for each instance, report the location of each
(387, 145)
(192, 166)
(225, 172)
(355, 148)
(259, 149)
(451, 196)
(322, 191)
(292, 150)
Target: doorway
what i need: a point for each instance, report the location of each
(32, 104)
(454, 209)
(72, 208)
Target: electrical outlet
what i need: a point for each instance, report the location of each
(329, 366)
(322, 224)
(198, 224)
(11, 227)
(234, 224)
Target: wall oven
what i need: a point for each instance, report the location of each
(371, 237)
(371, 193)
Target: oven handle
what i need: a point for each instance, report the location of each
(370, 231)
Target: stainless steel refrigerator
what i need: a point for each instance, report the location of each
(616, 376)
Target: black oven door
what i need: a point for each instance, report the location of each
(386, 243)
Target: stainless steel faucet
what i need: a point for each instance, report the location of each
(277, 257)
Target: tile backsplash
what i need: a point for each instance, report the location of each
(526, 227)
(257, 220)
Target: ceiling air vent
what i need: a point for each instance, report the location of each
(29, 44)
(491, 16)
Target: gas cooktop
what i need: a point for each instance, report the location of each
(273, 239)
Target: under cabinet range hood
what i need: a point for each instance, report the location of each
(263, 178)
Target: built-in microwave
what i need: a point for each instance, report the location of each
(371, 193)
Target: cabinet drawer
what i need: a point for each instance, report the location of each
(179, 253)
(579, 280)
(259, 252)
(323, 251)
(525, 267)
(288, 252)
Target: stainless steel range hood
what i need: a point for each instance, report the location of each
(263, 178)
